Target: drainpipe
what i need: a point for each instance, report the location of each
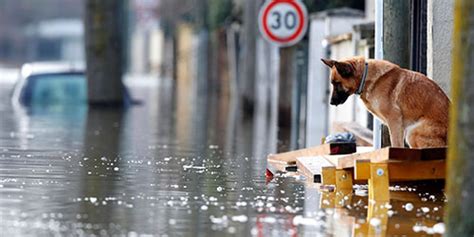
(377, 138)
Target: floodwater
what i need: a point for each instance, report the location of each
(184, 163)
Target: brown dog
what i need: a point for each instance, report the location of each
(414, 108)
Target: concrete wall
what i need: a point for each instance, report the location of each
(344, 112)
(317, 100)
(440, 30)
(317, 125)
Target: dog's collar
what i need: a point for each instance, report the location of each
(364, 77)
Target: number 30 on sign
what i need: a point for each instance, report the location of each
(283, 22)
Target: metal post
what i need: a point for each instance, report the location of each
(391, 43)
(298, 107)
(377, 138)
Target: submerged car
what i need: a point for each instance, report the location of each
(53, 84)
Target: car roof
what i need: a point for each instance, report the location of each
(38, 68)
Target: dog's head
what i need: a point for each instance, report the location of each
(344, 79)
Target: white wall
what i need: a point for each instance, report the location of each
(317, 125)
(370, 9)
(156, 50)
(344, 112)
(316, 100)
(138, 54)
(440, 31)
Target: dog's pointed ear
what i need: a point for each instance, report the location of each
(328, 62)
(344, 69)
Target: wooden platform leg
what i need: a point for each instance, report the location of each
(377, 218)
(379, 182)
(343, 188)
(328, 176)
(327, 200)
(344, 180)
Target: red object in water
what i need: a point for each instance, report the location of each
(268, 175)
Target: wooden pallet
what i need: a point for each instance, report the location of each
(387, 165)
(286, 162)
(313, 167)
(377, 168)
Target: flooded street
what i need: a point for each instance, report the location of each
(146, 170)
(266, 118)
(151, 170)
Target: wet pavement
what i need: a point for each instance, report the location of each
(181, 164)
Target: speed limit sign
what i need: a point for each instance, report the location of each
(283, 22)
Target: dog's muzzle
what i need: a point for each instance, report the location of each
(339, 97)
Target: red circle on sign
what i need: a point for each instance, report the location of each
(301, 18)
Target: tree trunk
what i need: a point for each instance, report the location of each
(104, 36)
(249, 47)
(460, 182)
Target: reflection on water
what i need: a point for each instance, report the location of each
(169, 166)
(181, 164)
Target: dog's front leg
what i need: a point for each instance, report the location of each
(396, 132)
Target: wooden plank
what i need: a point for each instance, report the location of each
(288, 159)
(311, 167)
(434, 153)
(347, 161)
(339, 160)
(401, 154)
(420, 170)
(393, 153)
(406, 171)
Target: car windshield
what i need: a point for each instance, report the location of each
(55, 89)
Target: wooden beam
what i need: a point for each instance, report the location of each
(405, 171)
(288, 159)
(401, 154)
(422, 170)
